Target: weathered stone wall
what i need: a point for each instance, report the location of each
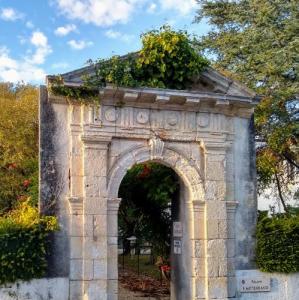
(245, 193)
(206, 139)
(54, 178)
(283, 286)
(36, 289)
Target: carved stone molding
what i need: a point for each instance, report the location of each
(75, 205)
(198, 205)
(113, 205)
(157, 147)
(231, 206)
(95, 141)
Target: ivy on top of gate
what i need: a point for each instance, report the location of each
(167, 59)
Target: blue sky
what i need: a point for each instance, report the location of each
(39, 37)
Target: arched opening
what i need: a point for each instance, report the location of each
(154, 257)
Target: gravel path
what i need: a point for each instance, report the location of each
(124, 294)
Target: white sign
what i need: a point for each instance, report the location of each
(254, 285)
(177, 247)
(177, 229)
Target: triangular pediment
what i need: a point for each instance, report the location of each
(210, 81)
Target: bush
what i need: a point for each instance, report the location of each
(24, 243)
(278, 243)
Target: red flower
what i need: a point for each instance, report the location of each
(26, 183)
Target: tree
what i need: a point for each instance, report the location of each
(18, 144)
(147, 192)
(256, 42)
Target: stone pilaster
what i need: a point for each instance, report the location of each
(95, 237)
(112, 215)
(199, 258)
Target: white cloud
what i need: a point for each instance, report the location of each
(60, 65)
(29, 24)
(40, 41)
(10, 14)
(65, 30)
(112, 34)
(98, 12)
(152, 8)
(27, 68)
(182, 6)
(18, 70)
(79, 45)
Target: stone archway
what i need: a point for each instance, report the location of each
(157, 152)
(205, 137)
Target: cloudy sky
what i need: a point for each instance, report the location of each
(39, 37)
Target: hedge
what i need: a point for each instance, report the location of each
(278, 243)
(24, 244)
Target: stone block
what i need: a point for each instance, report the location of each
(100, 269)
(76, 269)
(76, 168)
(231, 248)
(95, 186)
(232, 287)
(223, 267)
(212, 229)
(112, 286)
(95, 249)
(76, 186)
(112, 225)
(76, 244)
(112, 262)
(222, 229)
(215, 171)
(216, 210)
(217, 248)
(88, 269)
(217, 287)
(76, 225)
(215, 190)
(76, 289)
(200, 288)
(95, 290)
(95, 162)
(199, 229)
(100, 225)
(199, 267)
(231, 228)
(95, 205)
(212, 266)
(199, 248)
(88, 225)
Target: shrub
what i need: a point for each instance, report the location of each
(24, 243)
(278, 243)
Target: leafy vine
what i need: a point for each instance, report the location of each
(167, 59)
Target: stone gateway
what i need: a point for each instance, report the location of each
(205, 135)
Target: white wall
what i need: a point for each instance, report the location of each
(36, 289)
(283, 286)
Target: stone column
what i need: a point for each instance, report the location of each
(113, 205)
(75, 200)
(216, 222)
(231, 207)
(199, 275)
(95, 241)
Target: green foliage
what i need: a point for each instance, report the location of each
(257, 43)
(24, 243)
(147, 192)
(167, 59)
(278, 243)
(18, 144)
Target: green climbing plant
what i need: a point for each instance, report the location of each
(167, 59)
